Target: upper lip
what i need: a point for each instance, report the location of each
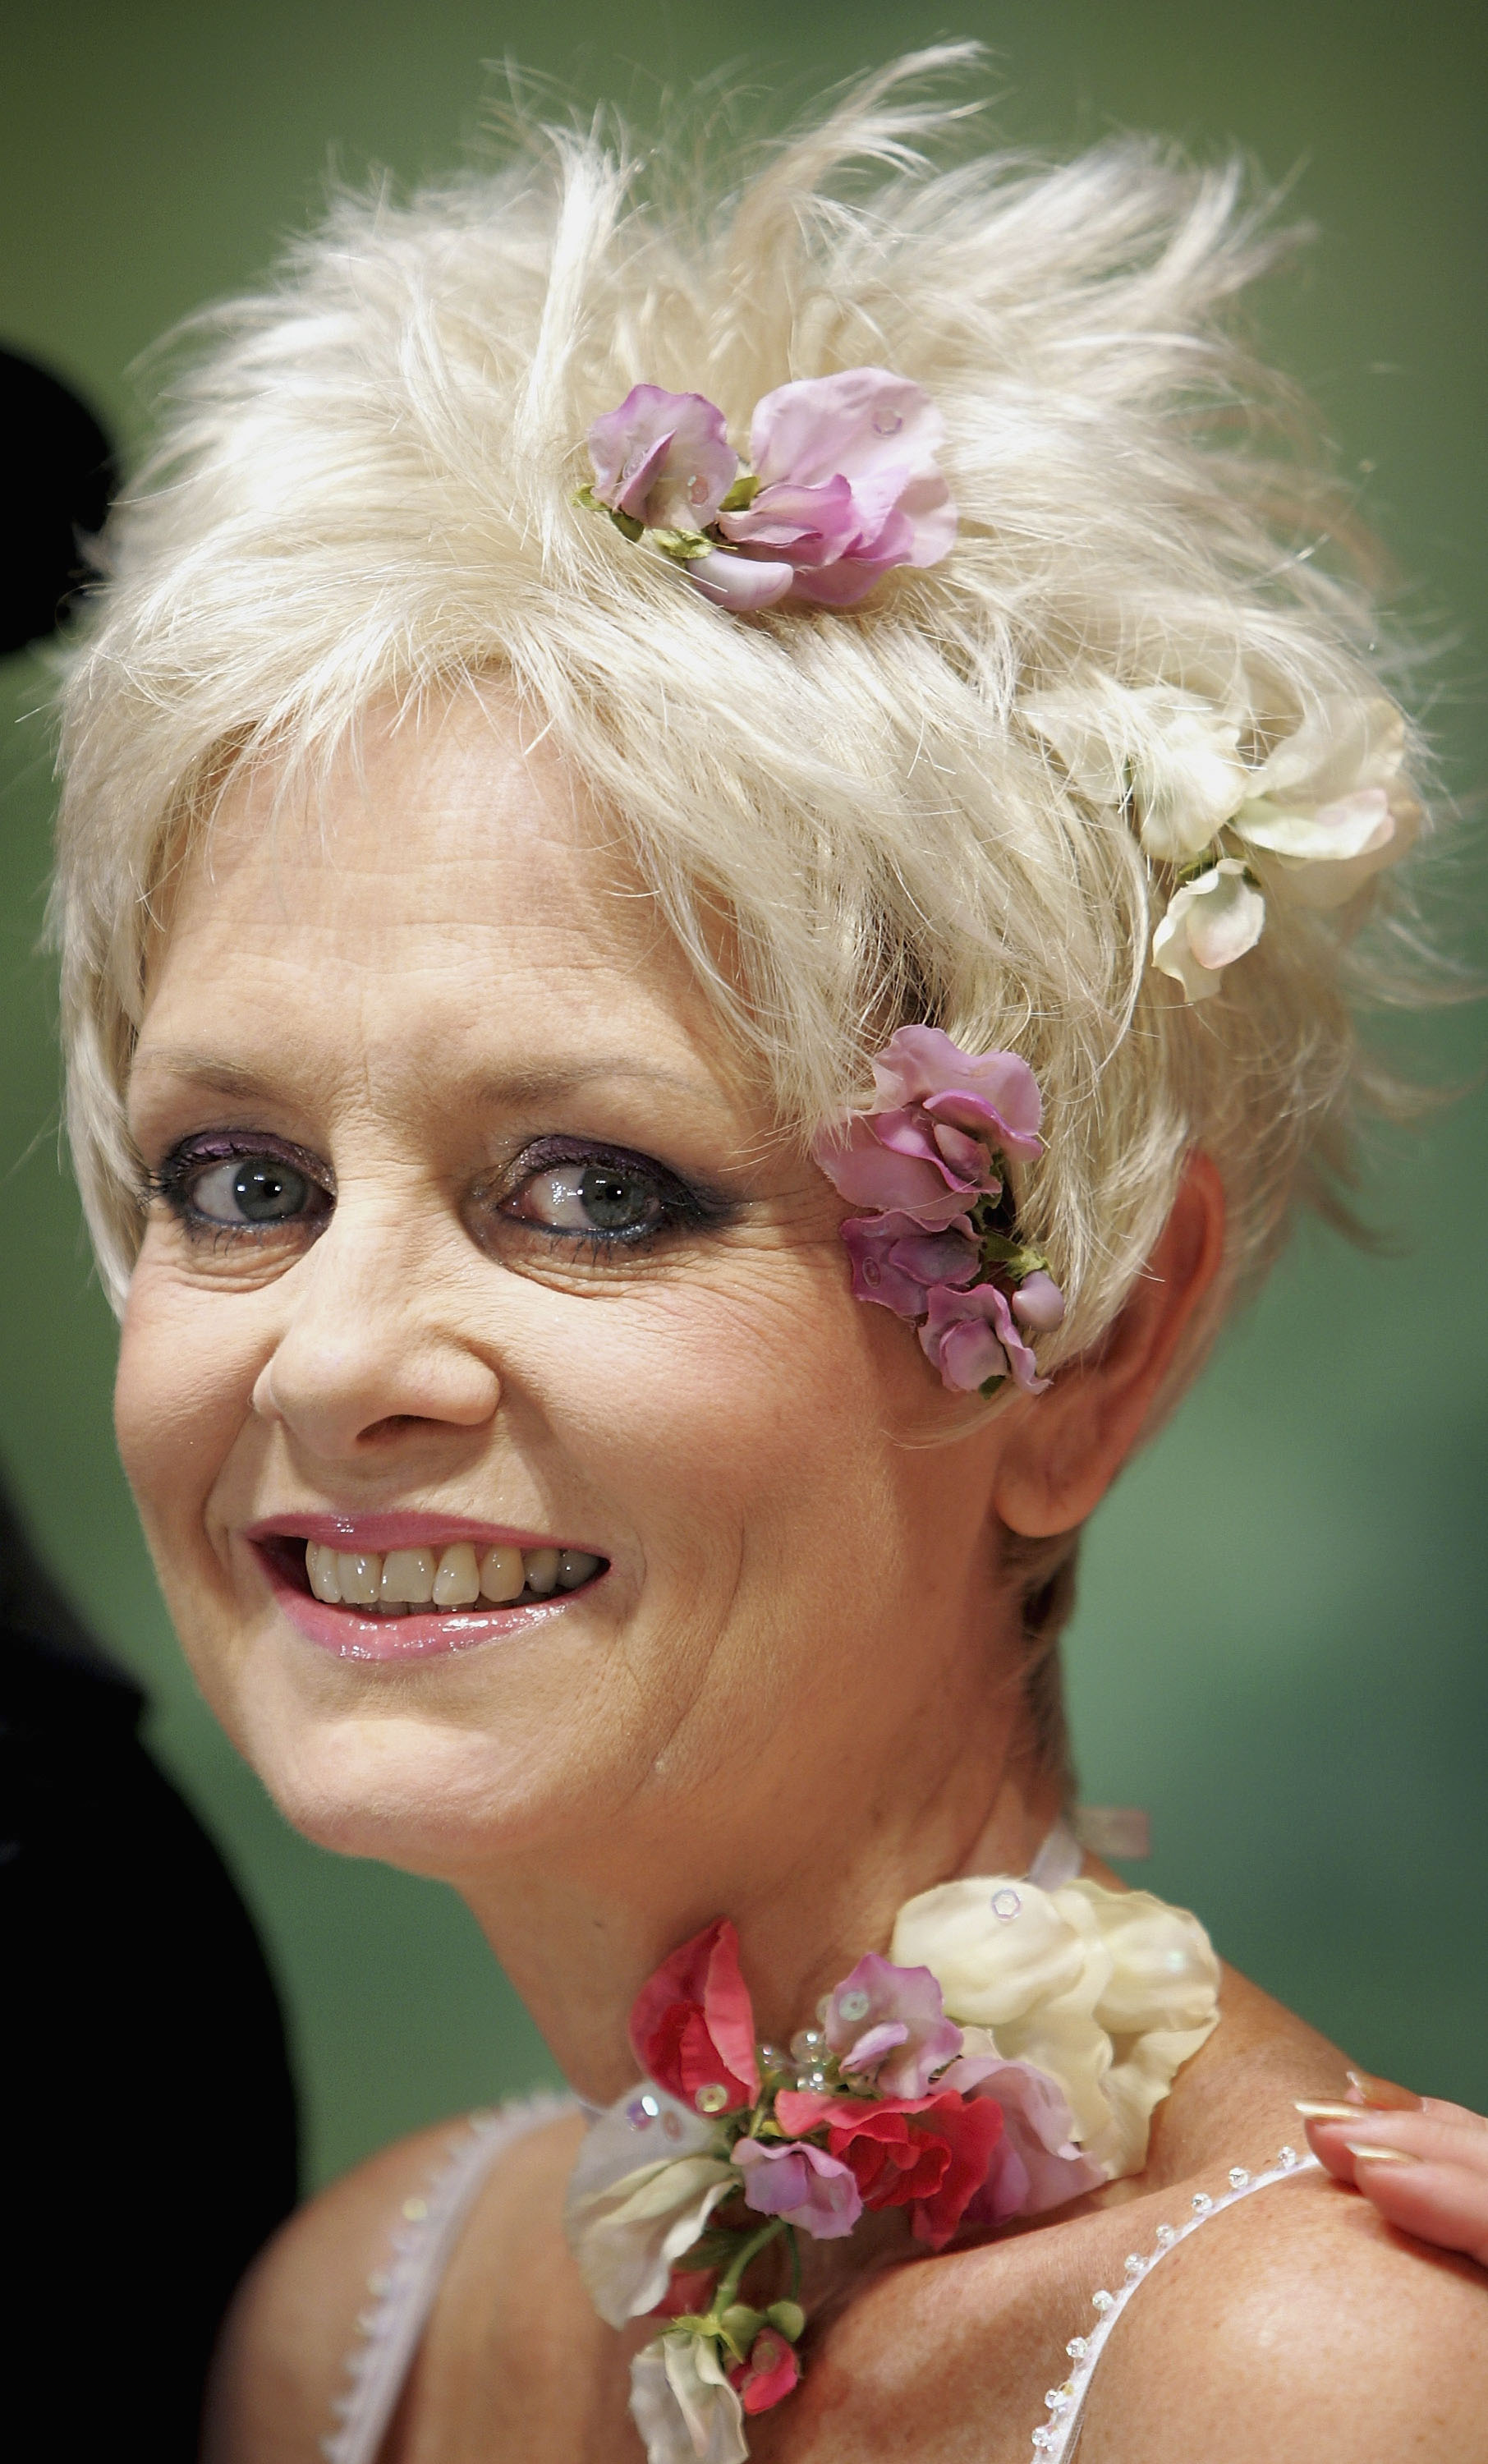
(377, 1534)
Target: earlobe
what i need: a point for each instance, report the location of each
(1074, 1442)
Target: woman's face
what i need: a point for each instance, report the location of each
(472, 1236)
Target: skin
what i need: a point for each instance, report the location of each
(793, 1696)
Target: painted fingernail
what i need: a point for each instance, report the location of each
(1363, 2153)
(1317, 2109)
(1383, 2095)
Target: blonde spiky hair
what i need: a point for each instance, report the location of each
(364, 492)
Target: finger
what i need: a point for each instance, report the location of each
(1426, 2137)
(1385, 2095)
(1441, 2111)
(1442, 2203)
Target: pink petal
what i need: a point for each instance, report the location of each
(835, 586)
(868, 1173)
(741, 583)
(851, 423)
(922, 1063)
(964, 1328)
(875, 2044)
(1039, 1304)
(967, 1355)
(812, 523)
(664, 458)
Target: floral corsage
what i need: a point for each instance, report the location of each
(930, 1155)
(691, 2194)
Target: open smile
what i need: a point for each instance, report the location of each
(411, 1585)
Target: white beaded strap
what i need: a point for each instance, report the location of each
(1056, 2438)
(404, 2290)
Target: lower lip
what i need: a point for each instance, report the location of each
(346, 1635)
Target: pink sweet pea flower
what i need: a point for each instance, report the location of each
(805, 2186)
(1035, 2164)
(849, 483)
(970, 1336)
(895, 1263)
(992, 1095)
(693, 2025)
(889, 2023)
(912, 1176)
(662, 458)
(770, 2373)
(925, 1146)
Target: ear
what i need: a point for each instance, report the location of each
(1073, 1441)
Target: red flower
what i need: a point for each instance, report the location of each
(929, 2153)
(770, 2373)
(692, 2026)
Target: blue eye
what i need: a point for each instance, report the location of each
(252, 1190)
(607, 1199)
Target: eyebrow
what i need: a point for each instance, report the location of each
(520, 1087)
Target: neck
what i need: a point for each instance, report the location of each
(579, 1937)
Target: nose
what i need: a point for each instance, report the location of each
(373, 1347)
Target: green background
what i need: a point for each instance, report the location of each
(1279, 1648)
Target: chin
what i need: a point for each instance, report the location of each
(432, 1778)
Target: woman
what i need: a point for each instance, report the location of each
(707, 882)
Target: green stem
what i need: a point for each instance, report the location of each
(755, 2243)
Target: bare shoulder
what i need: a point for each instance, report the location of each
(1297, 2327)
(281, 2358)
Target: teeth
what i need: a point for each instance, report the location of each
(458, 1580)
(408, 1574)
(453, 1579)
(321, 1567)
(359, 1577)
(502, 1573)
(542, 1570)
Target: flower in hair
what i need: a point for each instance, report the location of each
(844, 486)
(930, 1155)
(1310, 821)
(1328, 807)
(663, 460)
(689, 2210)
(1212, 920)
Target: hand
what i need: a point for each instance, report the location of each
(1422, 2162)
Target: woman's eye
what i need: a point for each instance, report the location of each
(605, 1198)
(253, 1189)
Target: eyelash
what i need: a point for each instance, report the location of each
(170, 1185)
(684, 1207)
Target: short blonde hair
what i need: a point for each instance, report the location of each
(365, 491)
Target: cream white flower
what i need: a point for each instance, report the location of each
(1175, 754)
(683, 2405)
(1328, 806)
(1209, 924)
(627, 2223)
(1106, 1991)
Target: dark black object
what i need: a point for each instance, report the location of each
(59, 476)
(149, 2116)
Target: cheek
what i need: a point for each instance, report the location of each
(755, 1432)
(181, 1396)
